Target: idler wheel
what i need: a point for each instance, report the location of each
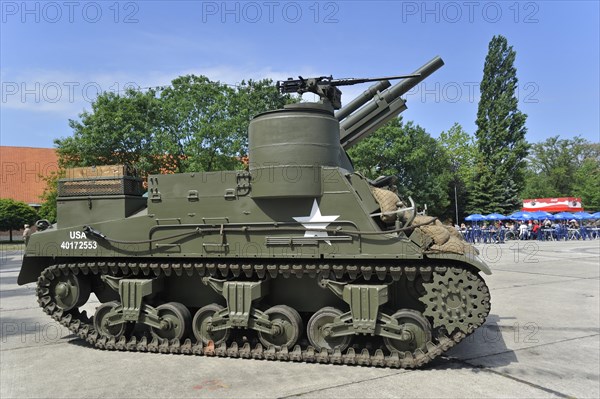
(287, 327)
(101, 322)
(318, 333)
(202, 325)
(175, 321)
(70, 291)
(416, 332)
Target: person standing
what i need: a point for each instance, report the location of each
(523, 231)
(26, 234)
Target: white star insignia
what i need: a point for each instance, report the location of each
(316, 221)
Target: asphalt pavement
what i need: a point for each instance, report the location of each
(541, 339)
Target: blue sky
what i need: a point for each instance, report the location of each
(55, 56)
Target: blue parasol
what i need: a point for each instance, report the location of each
(563, 215)
(476, 217)
(495, 216)
(520, 215)
(542, 215)
(582, 216)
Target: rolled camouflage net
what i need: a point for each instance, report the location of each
(437, 231)
(455, 245)
(388, 202)
(444, 238)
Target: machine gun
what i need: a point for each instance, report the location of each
(326, 87)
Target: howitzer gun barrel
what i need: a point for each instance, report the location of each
(364, 121)
(361, 100)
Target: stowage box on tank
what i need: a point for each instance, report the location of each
(298, 258)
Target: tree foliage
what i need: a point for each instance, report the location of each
(461, 150)
(193, 125)
(15, 214)
(587, 184)
(500, 171)
(204, 125)
(48, 209)
(564, 167)
(121, 129)
(410, 153)
(198, 124)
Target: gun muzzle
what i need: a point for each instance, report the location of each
(405, 85)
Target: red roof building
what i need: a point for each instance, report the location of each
(22, 172)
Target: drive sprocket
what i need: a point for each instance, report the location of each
(456, 299)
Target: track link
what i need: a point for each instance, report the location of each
(81, 325)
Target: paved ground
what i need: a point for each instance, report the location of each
(542, 339)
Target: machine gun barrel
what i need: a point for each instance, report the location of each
(354, 81)
(360, 124)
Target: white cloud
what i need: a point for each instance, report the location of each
(67, 93)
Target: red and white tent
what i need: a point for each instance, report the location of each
(562, 204)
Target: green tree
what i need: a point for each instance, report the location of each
(500, 171)
(462, 153)
(205, 123)
(192, 125)
(410, 153)
(48, 209)
(553, 165)
(488, 192)
(15, 214)
(196, 125)
(564, 168)
(587, 184)
(121, 129)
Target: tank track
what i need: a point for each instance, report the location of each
(82, 326)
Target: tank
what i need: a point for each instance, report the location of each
(297, 258)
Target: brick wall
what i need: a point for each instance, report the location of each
(21, 172)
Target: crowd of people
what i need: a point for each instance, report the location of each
(546, 230)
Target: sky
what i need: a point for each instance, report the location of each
(55, 56)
